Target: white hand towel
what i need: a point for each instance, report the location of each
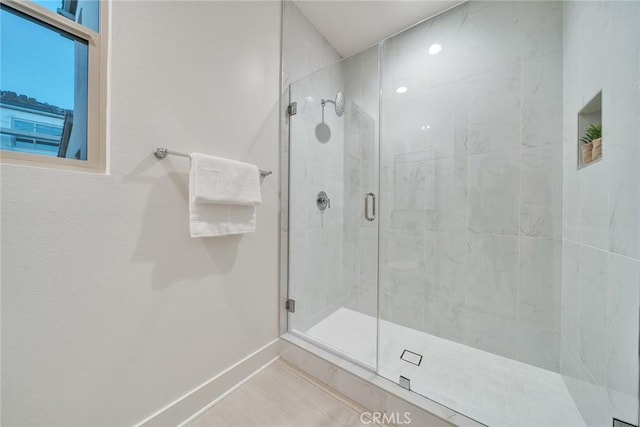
(208, 220)
(224, 181)
(232, 209)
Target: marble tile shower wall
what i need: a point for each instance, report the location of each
(601, 218)
(471, 179)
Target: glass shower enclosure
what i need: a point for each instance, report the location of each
(439, 231)
(333, 183)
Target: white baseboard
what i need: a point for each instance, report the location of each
(196, 402)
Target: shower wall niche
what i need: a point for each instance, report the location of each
(590, 132)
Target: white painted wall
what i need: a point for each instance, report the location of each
(109, 310)
(305, 50)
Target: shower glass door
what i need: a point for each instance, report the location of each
(472, 283)
(333, 188)
(470, 243)
(474, 311)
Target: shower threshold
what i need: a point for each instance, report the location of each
(489, 388)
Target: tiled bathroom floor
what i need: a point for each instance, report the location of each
(280, 396)
(491, 389)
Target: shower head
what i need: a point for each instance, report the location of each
(338, 103)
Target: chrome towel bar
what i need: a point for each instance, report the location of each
(161, 153)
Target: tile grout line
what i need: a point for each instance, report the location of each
(600, 249)
(518, 284)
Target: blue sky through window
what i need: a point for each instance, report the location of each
(52, 5)
(36, 61)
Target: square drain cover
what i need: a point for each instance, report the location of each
(411, 357)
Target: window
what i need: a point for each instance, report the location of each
(52, 88)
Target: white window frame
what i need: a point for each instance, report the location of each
(96, 86)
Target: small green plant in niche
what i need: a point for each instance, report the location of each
(594, 131)
(589, 136)
(592, 143)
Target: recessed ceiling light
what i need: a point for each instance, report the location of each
(402, 89)
(434, 49)
(423, 127)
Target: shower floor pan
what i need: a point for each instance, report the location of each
(489, 388)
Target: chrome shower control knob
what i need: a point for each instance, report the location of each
(322, 201)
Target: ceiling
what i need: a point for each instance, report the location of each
(351, 26)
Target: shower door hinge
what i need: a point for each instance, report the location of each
(291, 306)
(292, 109)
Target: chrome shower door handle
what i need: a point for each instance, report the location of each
(373, 205)
(366, 206)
